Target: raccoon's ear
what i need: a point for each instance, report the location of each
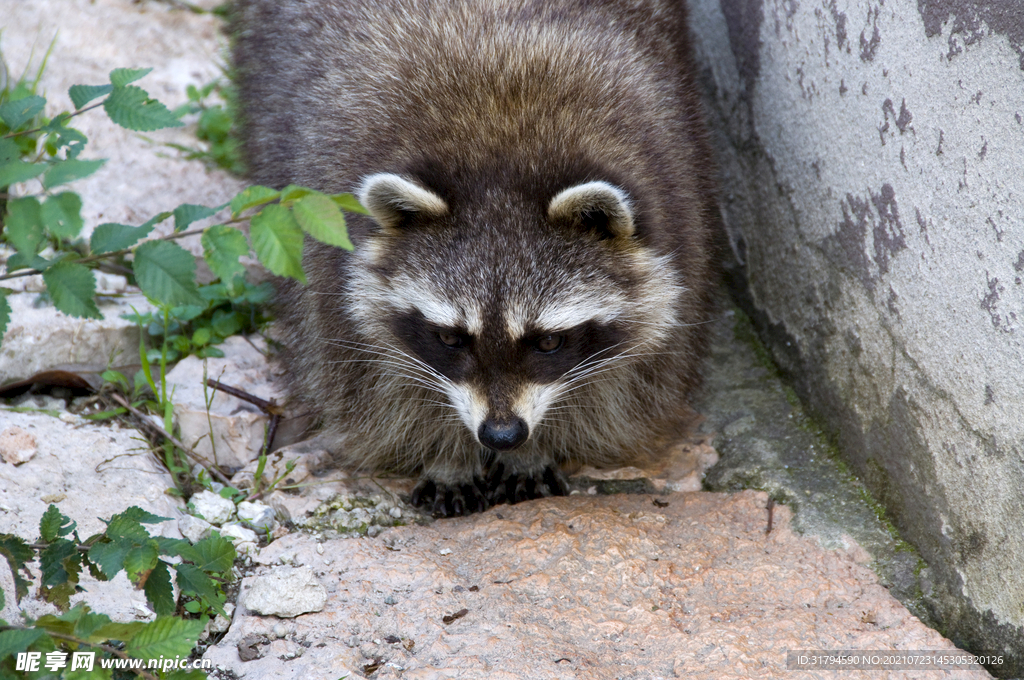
(392, 199)
(596, 205)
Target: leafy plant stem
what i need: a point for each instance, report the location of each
(65, 116)
(78, 641)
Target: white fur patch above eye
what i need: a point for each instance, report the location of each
(597, 196)
(387, 196)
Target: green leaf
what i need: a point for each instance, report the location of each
(5, 317)
(18, 640)
(252, 197)
(8, 150)
(166, 273)
(349, 203)
(141, 560)
(109, 556)
(120, 77)
(62, 215)
(132, 108)
(17, 112)
(196, 583)
(134, 513)
(117, 631)
(167, 637)
(201, 336)
(222, 248)
(121, 526)
(294, 192)
(54, 524)
(188, 213)
(26, 261)
(24, 225)
(109, 237)
(72, 288)
(83, 94)
(320, 217)
(17, 552)
(63, 172)
(277, 240)
(69, 138)
(158, 590)
(13, 172)
(214, 554)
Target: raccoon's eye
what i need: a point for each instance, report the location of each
(453, 340)
(547, 344)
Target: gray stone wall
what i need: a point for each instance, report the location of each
(872, 154)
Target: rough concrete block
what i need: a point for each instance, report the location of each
(873, 196)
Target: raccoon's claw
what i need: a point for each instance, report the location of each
(443, 500)
(513, 487)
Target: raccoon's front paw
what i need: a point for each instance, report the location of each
(444, 500)
(507, 486)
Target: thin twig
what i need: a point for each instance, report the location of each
(171, 438)
(67, 116)
(271, 408)
(771, 512)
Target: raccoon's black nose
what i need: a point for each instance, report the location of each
(503, 436)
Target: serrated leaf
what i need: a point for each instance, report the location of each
(69, 138)
(214, 554)
(167, 637)
(120, 77)
(58, 564)
(188, 213)
(17, 552)
(109, 556)
(139, 561)
(293, 192)
(17, 112)
(24, 225)
(158, 590)
(134, 513)
(252, 197)
(349, 203)
(26, 261)
(117, 631)
(5, 318)
(59, 595)
(166, 273)
(16, 171)
(63, 172)
(277, 240)
(321, 218)
(223, 246)
(54, 524)
(18, 640)
(83, 94)
(56, 624)
(193, 581)
(108, 237)
(62, 215)
(8, 150)
(132, 108)
(87, 622)
(121, 526)
(72, 287)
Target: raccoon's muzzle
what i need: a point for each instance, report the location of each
(503, 435)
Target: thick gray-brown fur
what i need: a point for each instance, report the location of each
(494, 106)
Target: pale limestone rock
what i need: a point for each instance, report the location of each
(286, 592)
(17, 446)
(213, 508)
(194, 528)
(256, 514)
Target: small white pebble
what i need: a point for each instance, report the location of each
(319, 549)
(445, 551)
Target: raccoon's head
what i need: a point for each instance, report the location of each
(508, 304)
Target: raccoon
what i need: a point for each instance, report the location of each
(532, 284)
